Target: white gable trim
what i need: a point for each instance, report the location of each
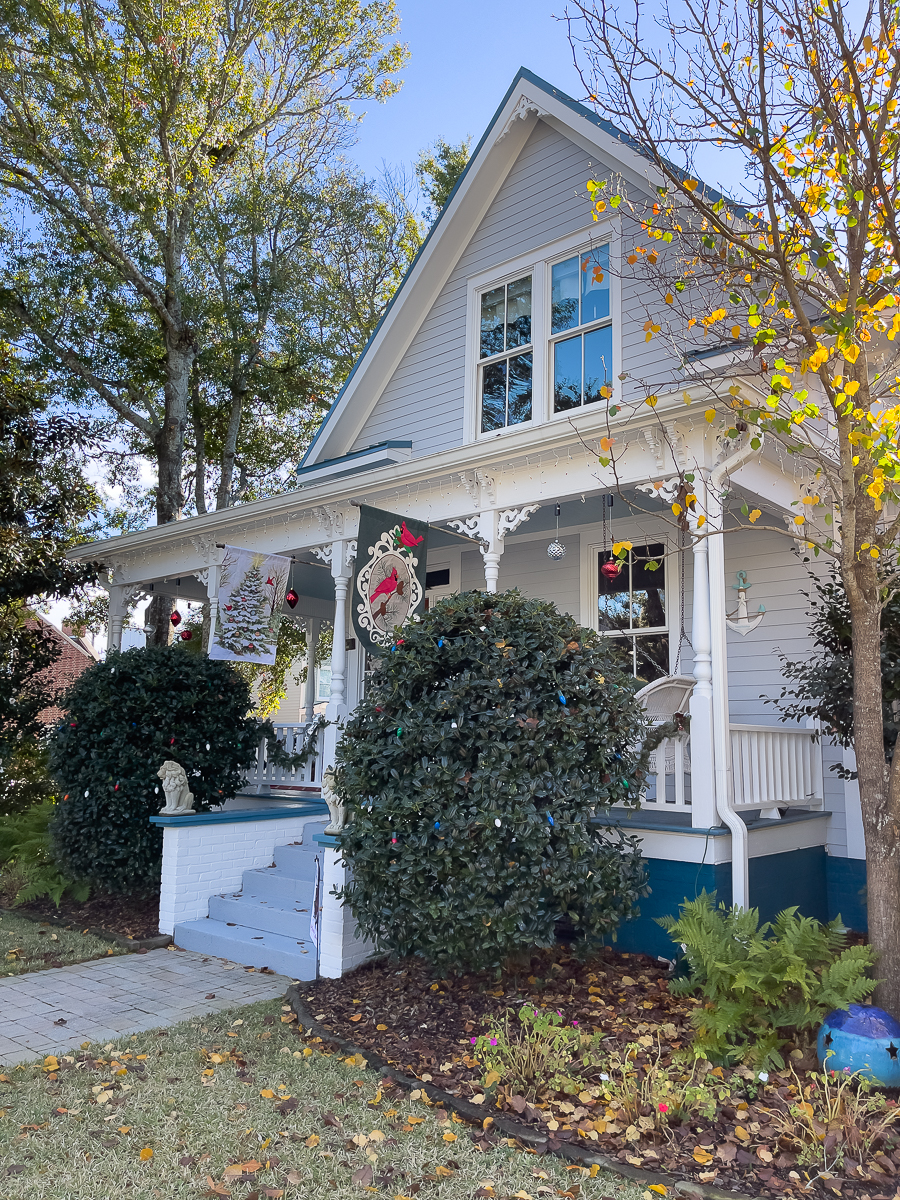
(528, 100)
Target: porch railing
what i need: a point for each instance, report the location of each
(266, 776)
(771, 768)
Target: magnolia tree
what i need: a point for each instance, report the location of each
(800, 279)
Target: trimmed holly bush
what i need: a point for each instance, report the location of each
(125, 717)
(470, 772)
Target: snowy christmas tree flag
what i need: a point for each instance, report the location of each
(251, 594)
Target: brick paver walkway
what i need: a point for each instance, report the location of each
(53, 1011)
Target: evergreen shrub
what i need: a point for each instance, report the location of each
(764, 986)
(470, 772)
(125, 717)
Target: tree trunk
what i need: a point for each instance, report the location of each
(880, 808)
(169, 445)
(229, 449)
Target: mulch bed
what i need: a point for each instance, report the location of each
(424, 1026)
(130, 916)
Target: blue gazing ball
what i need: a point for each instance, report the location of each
(861, 1039)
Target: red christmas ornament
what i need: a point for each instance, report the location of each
(291, 599)
(611, 569)
(175, 618)
(186, 635)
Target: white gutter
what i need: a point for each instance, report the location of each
(740, 857)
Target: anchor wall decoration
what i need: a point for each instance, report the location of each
(741, 621)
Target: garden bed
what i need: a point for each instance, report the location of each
(764, 1136)
(132, 917)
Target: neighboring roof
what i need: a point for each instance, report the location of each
(568, 112)
(76, 655)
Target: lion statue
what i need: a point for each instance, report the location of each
(335, 806)
(179, 800)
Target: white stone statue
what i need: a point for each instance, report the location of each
(179, 800)
(335, 805)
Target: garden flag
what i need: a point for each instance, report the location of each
(389, 582)
(251, 594)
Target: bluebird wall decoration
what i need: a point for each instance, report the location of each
(863, 1039)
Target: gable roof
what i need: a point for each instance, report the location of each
(528, 99)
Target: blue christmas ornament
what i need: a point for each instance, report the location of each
(861, 1039)
(440, 643)
(562, 698)
(550, 819)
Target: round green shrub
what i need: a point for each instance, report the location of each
(470, 772)
(125, 717)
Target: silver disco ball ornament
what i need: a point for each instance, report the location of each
(556, 550)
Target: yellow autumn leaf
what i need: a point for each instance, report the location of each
(449, 1137)
(799, 519)
(651, 400)
(690, 185)
(851, 353)
(312, 1141)
(755, 515)
(381, 1028)
(710, 415)
(670, 299)
(414, 1120)
(874, 552)
(491, 1078)
(267, 1093)
(742, 1133)
(701, 521)
(146, 1154)
(676, 509)
(618, 547)
(606, 442)
(735, 331)
(443, 1172)
(702, 1156)
(659, 1188)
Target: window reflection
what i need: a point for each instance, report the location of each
(506, 385)
(634, 601)
(582, 365)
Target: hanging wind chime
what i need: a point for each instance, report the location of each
(610, 569)
(556, 549)
(291, 597)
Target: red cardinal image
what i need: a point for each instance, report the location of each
(407, 539)
(387, 587)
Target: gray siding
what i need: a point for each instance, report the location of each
(541, 199)
(525, 565)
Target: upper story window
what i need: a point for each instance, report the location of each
(582, 361)
(506, 355)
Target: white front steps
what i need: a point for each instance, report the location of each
(267, 923)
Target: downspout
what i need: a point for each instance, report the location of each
(740, 857)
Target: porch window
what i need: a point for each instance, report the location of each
(632, 606)
(582, 362)
(506, 365)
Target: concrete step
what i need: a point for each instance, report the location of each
(276, 884)
(264, 915)
(298, 861)
(293, 957)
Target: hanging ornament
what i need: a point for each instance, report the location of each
(556, 549)
(186, 635)
(611, 569)
(291, 598)
(175, 618)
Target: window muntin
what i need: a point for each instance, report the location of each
(505, 380)
(579, 296)
(632, 606)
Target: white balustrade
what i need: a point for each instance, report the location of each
(266, 776)
(771, 768)
(775, 768)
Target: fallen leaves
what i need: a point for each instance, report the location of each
(312, 1141)
(146, 1154)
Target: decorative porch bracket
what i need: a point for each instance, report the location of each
(490, 528)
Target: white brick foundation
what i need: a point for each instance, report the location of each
(203, 858)
(340, 949)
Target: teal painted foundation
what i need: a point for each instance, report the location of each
(777, 881)
(846, 880)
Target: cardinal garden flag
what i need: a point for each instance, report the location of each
(251, 593)
(389, 583)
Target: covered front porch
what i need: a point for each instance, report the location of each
(730, 792)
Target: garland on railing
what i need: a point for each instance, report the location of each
(279, 756)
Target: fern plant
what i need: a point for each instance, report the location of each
(25, 847)
(762, 985)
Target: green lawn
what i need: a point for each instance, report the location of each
(28, 946)
(155, 1115)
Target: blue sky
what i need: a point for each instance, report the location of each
(463, 57)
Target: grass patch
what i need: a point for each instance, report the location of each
(237, 1104)
(31, 946)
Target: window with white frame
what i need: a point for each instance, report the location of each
(506, 358)
(581, 329)
(632, 606)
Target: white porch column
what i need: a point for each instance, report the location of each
(703, 766)
(491, 550)
(119, 595)
(313, 626)
(341, 569)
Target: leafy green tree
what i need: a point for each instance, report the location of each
(798, 279)
(119, 122)
(44, 501)
(438, 168)
(493, 729)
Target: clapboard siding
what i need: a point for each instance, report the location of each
(542, 198)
